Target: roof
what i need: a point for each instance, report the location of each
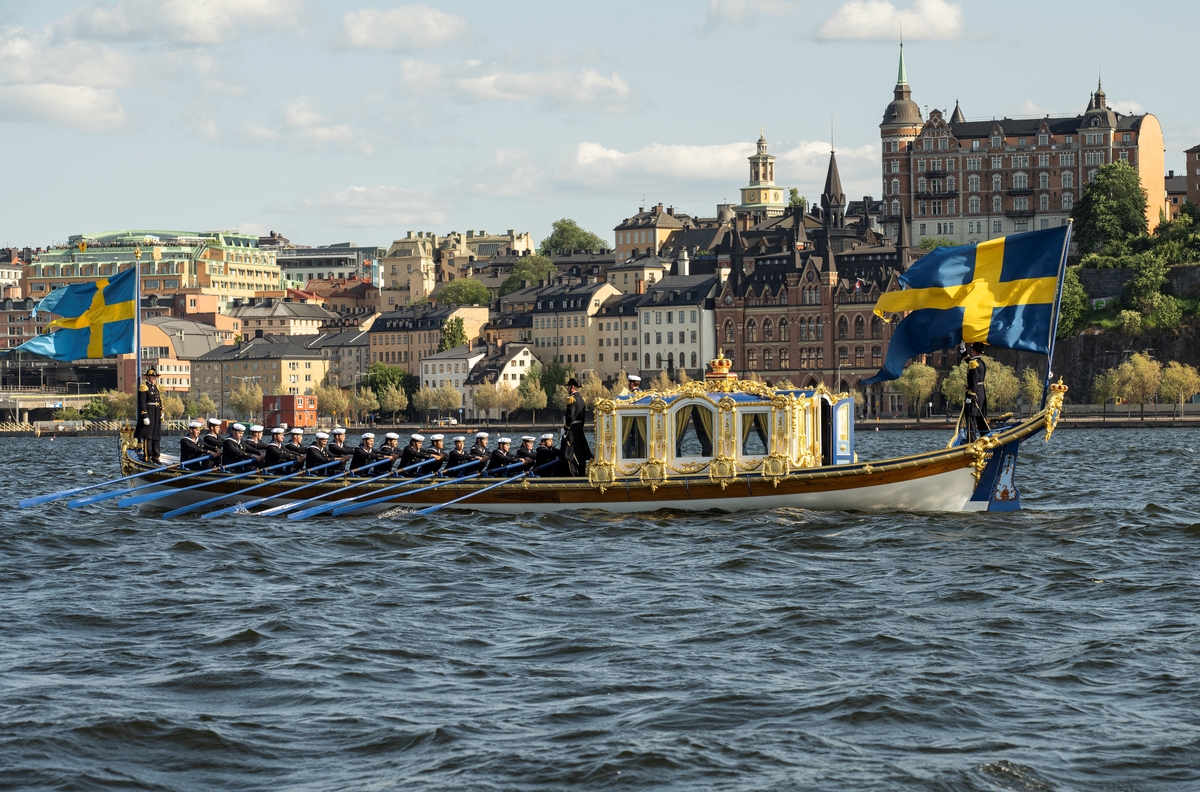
(191, 339)
(414, 318)
(457, 353)
(342, 339)
(1177, 184)
(495, 363)
(642, 262)
(271, 347)
(621, 305)
(657, 217)
(271, 308)
(679, 290)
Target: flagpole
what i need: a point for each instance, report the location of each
(1062, 271)
(137, 328)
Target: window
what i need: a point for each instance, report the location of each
(922, 207)
(1068, 202)
(1044, 181)
(997, 163)
(996, 182)
(1066, 159)
(860, 327)
(997, 141)
(943, 144)
(997, 226)
(1043, 160)
(633, 433)
(973, 204)
(1020, 181)
(768, 330)
(783, 330)
(1043, 139)
(1044, 203)
(859, 357)
(920, 166)
(843, 356)
(1068, 180)
(768, 359)
(876, 356)
(997, 204)
(752, 359)
(895, 186)
(728, 331)
(843, 329)
(751, 331)
(974, 163)
(922, 185)
(922, 231)
(1021, 203)
(876, 327)
(895, 207)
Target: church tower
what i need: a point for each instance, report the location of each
(901, 125)
(762, 197)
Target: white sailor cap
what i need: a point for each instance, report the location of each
(460, 439)
(527, 438)
(368, 436)
(548, 436)
(481, 435)
(322, 436)
(394, 436)
(296, 430)
(278, 430)
(435, 438)
(256, 428)
(238, 427)
(195, 425)
(504, 440)
(214, 421)
(339, 430)
(634, 378)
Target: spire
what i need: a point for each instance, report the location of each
(903, 243)
(833, 194)
(902, 74)
(1100, 96)
(762, 141)
(958, 117)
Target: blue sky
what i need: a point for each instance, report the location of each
(357, 121)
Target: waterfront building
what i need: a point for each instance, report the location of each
(343, 261)
(415, 264)
(226, 264)
(285, 317)
(647, 231)
(617, 337)
(451, 367)
(279, 364)
(503, 365)
(1177, 192)
(565, 322)
(971, 181)
(678, 323)
(406, 336)
(347, 351)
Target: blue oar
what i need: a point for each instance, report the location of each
(103, 496)
(150, 496)
(321, 508)
(53, 496)
(203, 503)
(435, 507)
(248, 505)
(351, 506)
(274, 510)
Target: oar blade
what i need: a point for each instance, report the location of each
(98, 497)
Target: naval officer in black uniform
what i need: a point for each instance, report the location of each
(149, 417)
(976, 396)
(575, 450)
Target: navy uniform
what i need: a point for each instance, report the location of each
(500, 457)
(337, 445)
(436, 452)
(976, 396)
(231, 449)
(545, 454)
(211, 442)
(277, 453)
(189, 445)
(525, 452)
(412, 454)
(364, 454)
(318, 454)
(458, 456)
(575, 450)
(480, 449)
(149, 417)
(391, 446)
(295, 446)
(254, 445)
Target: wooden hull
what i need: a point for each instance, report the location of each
(943, 480)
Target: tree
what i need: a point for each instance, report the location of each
(121, 406)
(245, 399)
(1113, 207)
(96, 409)
(424, 400)
(380, 375)
(1138, 379)
(331, 400)
(593, 390)
(172, 406)
(554, 375)
(533, 398)
(567, 235)
(279, 389)
(1002, 386)
(484, 398)
(363, 402)
(1179, 384)
(507, 400)
(67, 414)
(1032, 387)
(559, 400)
(393, 399)
(954, 385)
(1130, 323)
(917, 384)
(796, 199)
(202, 405)
(929, 243)
(447, 398)
(1106, 388)
(453, 335)
(1074, 304)
(464, 291)
(528, 268)
(661, 382)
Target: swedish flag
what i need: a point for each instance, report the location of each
(98, 319)
(1001, 292)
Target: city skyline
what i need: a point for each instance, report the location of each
(333, 121)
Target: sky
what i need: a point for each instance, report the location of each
(359, 120)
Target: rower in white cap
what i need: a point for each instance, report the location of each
(365, 454)
(547, 453)
(500, 457)
(317, 454)
(458, 456)
(253, 443)
(337, 444)
(211, 440)
(412, 454)
(190, 448)
(231, 449)
(276, 453)
(436, 451)
(525, 452)
(295, 446)
(391, 445)
(480, 449)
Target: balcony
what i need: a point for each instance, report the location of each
(935, 174)
(1019, 213)
(926, 194)
(1019, 191)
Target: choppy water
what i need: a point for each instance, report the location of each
(1054, 649)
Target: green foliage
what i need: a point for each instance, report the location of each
(201, 405)
(464, 291)
(331, 400)
(424, 400)
(1106, 387)
(530, 268)
(1138, 379)
(363, 402)
(1002, 386)
(508, 399)
(245, 399)
(393, 399)
(567, 235)
(533, 397)
(1074, 304)
(380, 375)
(172, 406)
(121, 406)
(484, 399)
(96, 409)
(1179, 383)
(1162, 311)
(1113, 207)
(447, 398)
(67, 414)
(1032, 386)
(796, 199)
(916, 384)
(929, 243)
(453, 335)
(554, 376)
(1130, 323)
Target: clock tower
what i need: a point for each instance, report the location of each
(762, 197)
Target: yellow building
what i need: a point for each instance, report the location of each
(277, 364)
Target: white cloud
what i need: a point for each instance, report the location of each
(409, 27)
(1031, 108)
(510, 174)
(71, 83)
(880, 19)
(558, 88)
(258, 229)
(745, 12)
(722, 162)
(377, 207)
(1128, 107)
(187, 21)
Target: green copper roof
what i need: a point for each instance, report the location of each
(902, 76)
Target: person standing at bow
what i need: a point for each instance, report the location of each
(149, 419)
(575, 450)
(975, 405)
